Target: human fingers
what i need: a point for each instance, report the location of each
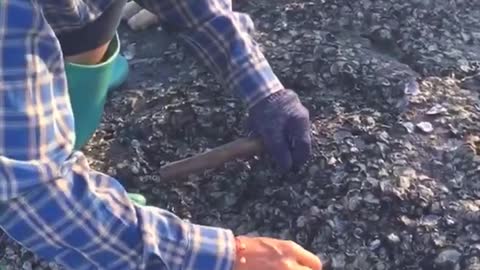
(276, 144)
(304, 257)
(301, 267)
(293, 265)
(299, 134)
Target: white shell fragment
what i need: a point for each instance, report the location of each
(437, 109)
(138, 18)
(425, 127)
(130, 9)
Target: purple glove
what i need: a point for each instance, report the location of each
(284, 125)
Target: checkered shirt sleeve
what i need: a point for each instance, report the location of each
(51, 201)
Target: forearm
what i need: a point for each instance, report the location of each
(221, 39)
(85, 220)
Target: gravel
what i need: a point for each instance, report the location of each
(393, 90)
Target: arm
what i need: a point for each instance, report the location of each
(50, 200)
(221, 40)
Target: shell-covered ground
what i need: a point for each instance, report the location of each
(393, 91)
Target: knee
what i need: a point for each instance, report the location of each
(91, 57)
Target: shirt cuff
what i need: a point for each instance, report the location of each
(210, 248)
(254, 82)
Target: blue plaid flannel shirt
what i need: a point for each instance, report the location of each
(51, 202)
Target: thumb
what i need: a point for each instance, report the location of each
(301, 267)
(316, 266)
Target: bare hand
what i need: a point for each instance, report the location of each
(272, 254)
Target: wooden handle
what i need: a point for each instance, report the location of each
(241, 148)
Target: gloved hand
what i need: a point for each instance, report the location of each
(284, 125)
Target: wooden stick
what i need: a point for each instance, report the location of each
(241, 148)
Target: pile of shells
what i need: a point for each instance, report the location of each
(393, 92)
